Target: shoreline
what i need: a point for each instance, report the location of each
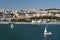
(28, 23)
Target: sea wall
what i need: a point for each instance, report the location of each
(28, 23)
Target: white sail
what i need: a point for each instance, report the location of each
(45, 30)
(46, 33)
(12, 26)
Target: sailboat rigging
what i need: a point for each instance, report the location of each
(45, 32)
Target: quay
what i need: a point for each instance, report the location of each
(28, 23)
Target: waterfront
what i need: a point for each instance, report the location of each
(44, 15)
(29, 32)
(29, 23)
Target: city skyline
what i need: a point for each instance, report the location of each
(29, 4)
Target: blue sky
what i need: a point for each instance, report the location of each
(29, 4)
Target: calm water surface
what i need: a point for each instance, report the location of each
(29, 32)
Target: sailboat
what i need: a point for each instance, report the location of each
(12, 26)
(46, 33)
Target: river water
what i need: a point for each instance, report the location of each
(29, 32)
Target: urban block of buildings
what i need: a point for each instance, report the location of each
(42, 15)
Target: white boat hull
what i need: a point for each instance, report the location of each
(47, 33)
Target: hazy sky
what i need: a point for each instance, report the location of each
(29, 4)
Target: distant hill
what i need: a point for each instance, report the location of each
(52, 9)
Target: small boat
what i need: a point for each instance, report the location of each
(46, 33)
(12, 26)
